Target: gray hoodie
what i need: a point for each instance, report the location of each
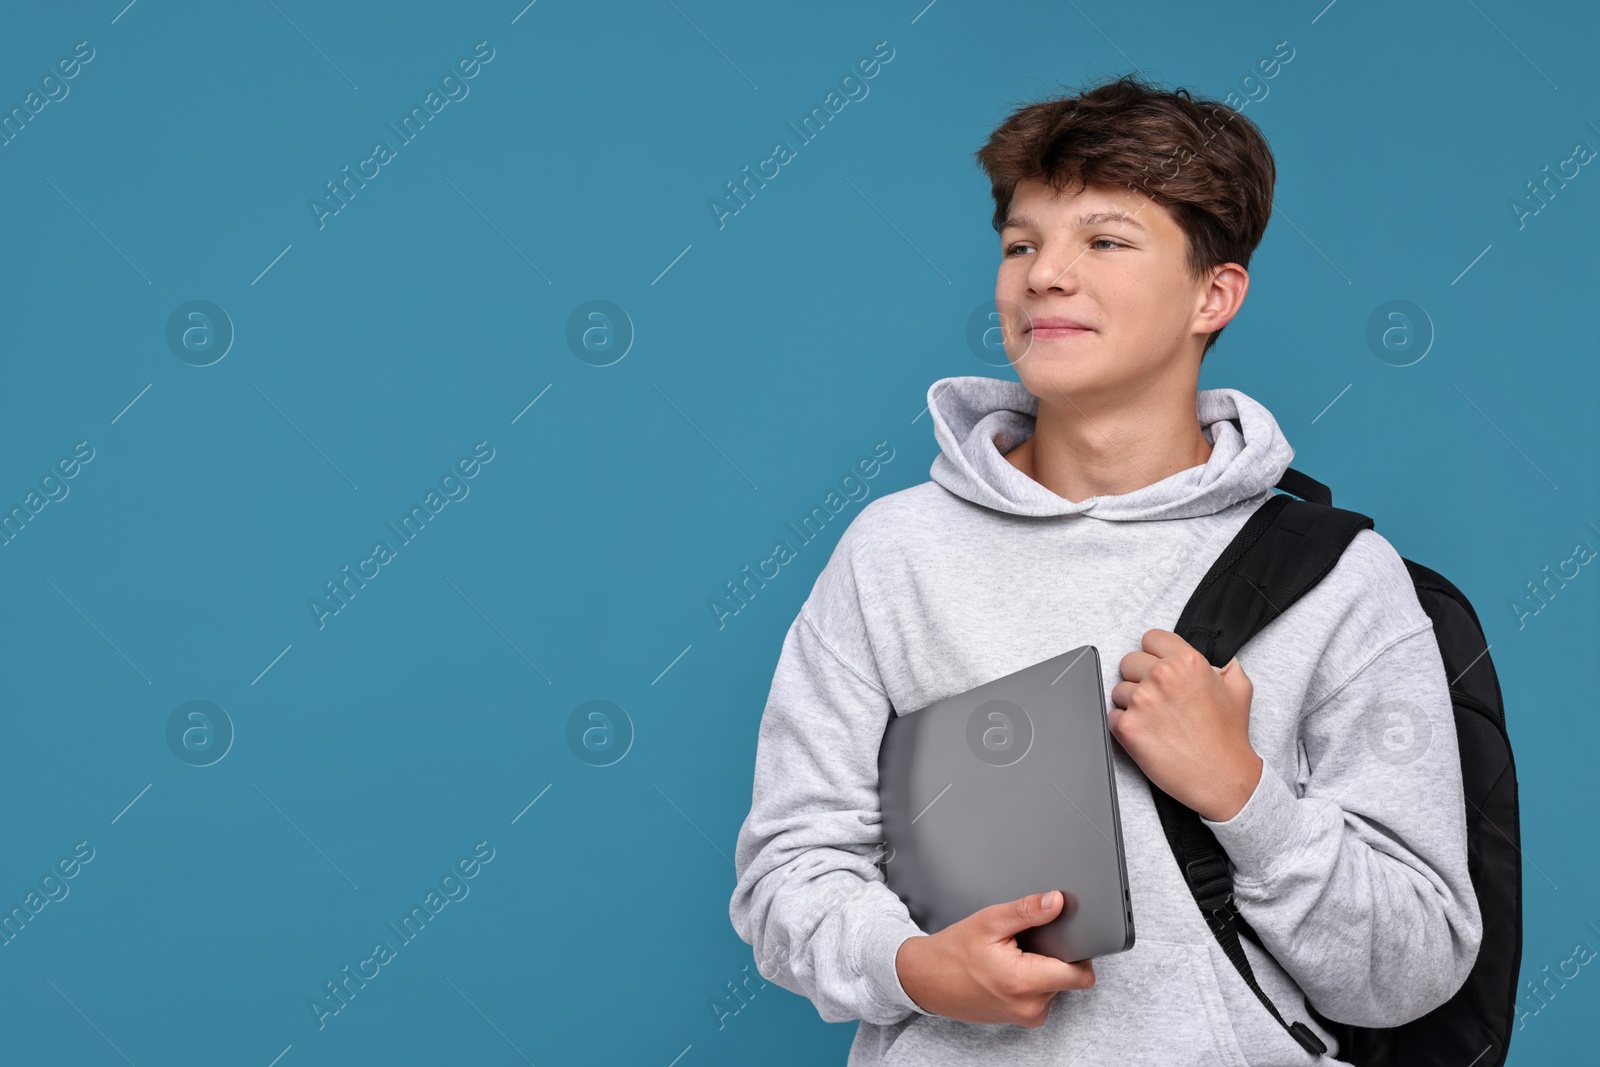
(1350, 856)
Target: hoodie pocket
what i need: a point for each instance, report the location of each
(1157, 1004)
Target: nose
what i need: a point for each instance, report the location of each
(1053, 270)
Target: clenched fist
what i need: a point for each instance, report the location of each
(1187, 724)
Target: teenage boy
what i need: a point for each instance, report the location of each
(1082, 506)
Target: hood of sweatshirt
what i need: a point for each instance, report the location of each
(977, 420)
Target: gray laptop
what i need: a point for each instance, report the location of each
(1005, 790)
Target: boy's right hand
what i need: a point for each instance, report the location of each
(973, 970)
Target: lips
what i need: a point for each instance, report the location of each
(1056, 329)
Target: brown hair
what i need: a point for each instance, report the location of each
(1200, 159)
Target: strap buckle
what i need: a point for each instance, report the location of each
(1211, 882)
(1307, 1038)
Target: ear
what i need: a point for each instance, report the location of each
(1224, 297)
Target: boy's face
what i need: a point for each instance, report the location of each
(1126, 281)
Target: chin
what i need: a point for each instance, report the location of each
(1051, 377)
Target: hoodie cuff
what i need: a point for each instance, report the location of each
(1264, 832)
(875, 957)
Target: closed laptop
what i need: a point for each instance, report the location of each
(1004, 790)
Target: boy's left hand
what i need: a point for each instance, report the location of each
(1187, 724)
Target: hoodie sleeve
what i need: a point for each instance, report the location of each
(810, 898)
(1357, 883)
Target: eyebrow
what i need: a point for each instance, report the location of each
(1022, 222)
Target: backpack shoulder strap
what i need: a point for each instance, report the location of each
(1305, 487)
(1280, 553)
(1283, 550)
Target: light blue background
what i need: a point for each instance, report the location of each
(429, 313)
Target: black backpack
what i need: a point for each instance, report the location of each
(1283, 550)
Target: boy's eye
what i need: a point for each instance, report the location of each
(1015, 247)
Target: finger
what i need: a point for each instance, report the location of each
(1114, 721)
(1000, 921)
(1039, 973)
(1238, 683)
(1121, 726)
(1163, 643)
(1136, 665)
(1159, 642)
(1046, 974)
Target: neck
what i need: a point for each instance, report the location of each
(1083, 447)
